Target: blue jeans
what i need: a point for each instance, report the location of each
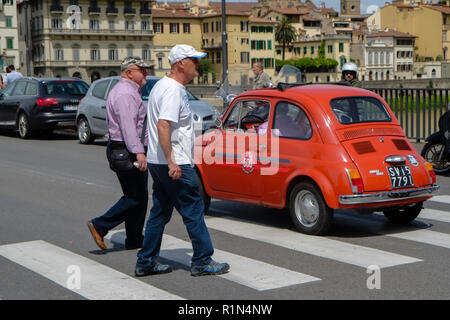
(184, 195)
(131, 208)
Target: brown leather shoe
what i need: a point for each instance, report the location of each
(97, 237)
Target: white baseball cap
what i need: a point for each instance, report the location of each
(183, 51)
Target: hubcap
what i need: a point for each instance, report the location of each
(306, 208)
(83, 130)
(23, 126)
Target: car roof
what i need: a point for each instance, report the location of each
(52, 79)
(318, 92)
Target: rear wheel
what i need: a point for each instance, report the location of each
(206, 198)
(24, 126)
(308, 210)
(403, 215)
(84, 132)
(433, 152)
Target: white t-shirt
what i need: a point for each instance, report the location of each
(168, 101)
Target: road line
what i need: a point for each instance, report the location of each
(245, 271)
(432, 214)
(318, 246)
(96, 281)
(441, 199)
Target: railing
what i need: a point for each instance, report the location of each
(115, 32)
(417, 110)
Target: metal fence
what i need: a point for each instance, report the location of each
(417, 110)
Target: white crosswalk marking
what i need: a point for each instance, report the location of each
(318, 246)
(441, 198)
(97, 281)
(245, 271)
(438, 215)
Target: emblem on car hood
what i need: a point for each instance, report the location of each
(248, 160)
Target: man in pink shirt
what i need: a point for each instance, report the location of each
(125, 117)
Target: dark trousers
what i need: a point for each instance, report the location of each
(131, 207)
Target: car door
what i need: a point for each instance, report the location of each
(97, 105)
(4, 105)
(12, 102)
(239, 149)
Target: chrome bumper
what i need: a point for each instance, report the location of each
(388, 196)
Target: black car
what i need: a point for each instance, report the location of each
(39, 105)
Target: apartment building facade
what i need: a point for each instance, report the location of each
(85, 38)
(9, 37)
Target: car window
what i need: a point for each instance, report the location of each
(32, 89)
(63, 87)
(191, 97)
(349, 110)
(99, 89)
(249, 116)
(19, 90)
(113, 83)
(7, 91)
(145, 90)
(290, 121)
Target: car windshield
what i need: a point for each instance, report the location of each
(63, 87)
(350, 110)
(145, 91)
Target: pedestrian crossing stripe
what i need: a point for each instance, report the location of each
(245, 271)
(314, 245)
(441, 199)
(432, 214)
(97, 281)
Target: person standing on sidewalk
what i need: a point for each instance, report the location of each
(170, 162)
(126, 113)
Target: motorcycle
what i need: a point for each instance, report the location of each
(437, 149)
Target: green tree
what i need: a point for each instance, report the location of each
(284, 33)
(204, 69)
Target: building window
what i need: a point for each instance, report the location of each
(76, 54)
(160, 63)
(113, 54)
(57, 24)
(205, 27)
(158, 27)
(269, 44)
(94, 25)
(174, 28)
(330, 49)
(9, 43)
(219, 58)
(244, 26)
(129, 25)
(305, 50)
(312, 50)
(218, 26)
(112, 25)
(146, 54)
(59, 54)
(341, 47)
(95, 54)
(8, 22)
(186, 28)
(245, 57)
(145, 25)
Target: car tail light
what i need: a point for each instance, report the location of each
(355, 180)
(45, 102)
(431, 173)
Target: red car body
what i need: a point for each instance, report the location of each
(352, 155)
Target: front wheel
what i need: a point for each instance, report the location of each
(308, 210)
(434, 153)
(403, 215)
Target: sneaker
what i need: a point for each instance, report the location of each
(212, 268)
(157, 268)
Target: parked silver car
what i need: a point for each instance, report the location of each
(91, 115)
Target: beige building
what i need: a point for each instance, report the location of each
(429, 22)
(9, 38)
(85, 38)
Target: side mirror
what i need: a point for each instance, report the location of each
(218, 123)
(218, 84)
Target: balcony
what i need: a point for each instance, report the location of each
(112, 11)
(55, 8)
(146, 12)
(91, 32)
(83, 63)
(94, 11)
(129, 12)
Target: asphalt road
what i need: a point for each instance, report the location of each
(50, 188)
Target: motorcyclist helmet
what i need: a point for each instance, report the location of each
(350, 67)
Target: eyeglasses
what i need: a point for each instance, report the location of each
(348, 72)
(142, 70)
(194, 60)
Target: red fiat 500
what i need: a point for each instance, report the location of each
(313, 149)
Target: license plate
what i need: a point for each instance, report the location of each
(71, 107)
(400, 176)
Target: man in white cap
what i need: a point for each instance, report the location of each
(170, 163)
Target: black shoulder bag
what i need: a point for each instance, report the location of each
(120, 159)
